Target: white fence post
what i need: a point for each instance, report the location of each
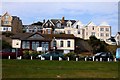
(93, 58)
(85, 59)
(50, 57)
(31, 57)
(8, 57)
(108, 59)
(68, 58)
(115, 60)
(96, 59)
(60, 58)
(100, 59)
(76, 59)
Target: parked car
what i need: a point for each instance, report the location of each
(118, 54)
(8, 52)
(55, 55)
(103, 55)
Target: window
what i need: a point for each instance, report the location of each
(49, 31)
(6, 17)
(54, 43)
(25, 45)
(93, 33)
(68, 43)
(78, 32)
(4, 28)
(58, 25)
(107, 29)
(35, 45)
(101, 34)
(107, 34)
(69, 32)
(77, 26)
(61, 43)
(46, 24)
(6, 22)
(45, 46)
(93, 28)
(101, 29)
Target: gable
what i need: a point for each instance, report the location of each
(36, 36)
(49, 23)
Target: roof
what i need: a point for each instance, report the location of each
(37, 23)
(119, 33)
(60, 36)
(91, 24)
(104, 24)
(33, 26)
(43, 37)
(65, 21)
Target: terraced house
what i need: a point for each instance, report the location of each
(78, 29)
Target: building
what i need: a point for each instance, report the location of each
(31, 41)
(33, 28)
(78, 29)
(10, 23)
(102, 32)
(117, 38)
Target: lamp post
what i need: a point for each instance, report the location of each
(54, 44)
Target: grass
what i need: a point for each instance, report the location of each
(58, 69)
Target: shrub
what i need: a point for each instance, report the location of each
(7, 34)
(28, 53)
(71, 55)
(25, 54)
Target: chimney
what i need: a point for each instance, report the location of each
(44, 21)
(63, 18)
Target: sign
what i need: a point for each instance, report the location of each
(16, 43)
(39, 49)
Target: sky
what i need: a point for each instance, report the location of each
(86, 12)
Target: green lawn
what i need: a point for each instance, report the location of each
(58, 69)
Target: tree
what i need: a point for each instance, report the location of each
(97, 45)
(5, 44)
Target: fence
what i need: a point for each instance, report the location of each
(68, 59)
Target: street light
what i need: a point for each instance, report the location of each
(54, 44)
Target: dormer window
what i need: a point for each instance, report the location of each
(69, 24)
(46, 24)
(58, 25)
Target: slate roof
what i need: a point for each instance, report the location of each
(44, 37)
(65, 21)
(119, 33)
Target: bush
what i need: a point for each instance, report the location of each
(7, 34)
(28, 53)
(71, 55)
(25, 54)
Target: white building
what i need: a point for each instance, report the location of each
(78, 29)
(117, 38)
(102, 32)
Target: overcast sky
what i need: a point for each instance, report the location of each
(96, 12)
